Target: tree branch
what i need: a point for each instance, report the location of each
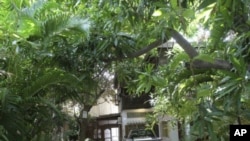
(218, 64)
(184, 43)
(191, 51)
(198, 64)
(146, 49)
(139, 52)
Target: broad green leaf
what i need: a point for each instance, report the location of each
(203, 93)
(28, 27)
(206, 3)
(226, 89)
(174, 3)
(158, 81)
(51, 77)
(178, 58)
(204, 57)
(188, 13)
(236, 63)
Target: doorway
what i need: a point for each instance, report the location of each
(111, 134)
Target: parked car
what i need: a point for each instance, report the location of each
(141, 135)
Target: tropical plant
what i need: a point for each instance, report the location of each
(33, 81)
(202, 90)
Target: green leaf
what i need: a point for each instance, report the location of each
(239, 65)
(52, 77)
(189, 13)
(28, 27)
(235, 62)
(178, 58)
(226, 89)
(203, 93)
(158, 81)
(206, 3)
(204, 57)
(174, 3)
(116, 42)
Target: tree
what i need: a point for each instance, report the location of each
(34, 81)
(211, 84)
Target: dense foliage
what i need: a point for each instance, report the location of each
(59, 50)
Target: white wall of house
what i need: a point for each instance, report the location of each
(167, 130)
(104, 106)
(135, 120)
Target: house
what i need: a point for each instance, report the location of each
(106, 125)
(115, 119)
(134, 110)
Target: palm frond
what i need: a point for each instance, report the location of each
(3, 133)
(51, 105)
(8, 100)
(14, 125)
(32, 10)
(11, 4)
(44, 15)
(10, 111)
(42, 137)
(28, 26)
(51, 77)
(56, 24)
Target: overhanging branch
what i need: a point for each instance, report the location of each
(184, 43)
(137, 53)
(198, 64)
(217, 64)
(146, 49)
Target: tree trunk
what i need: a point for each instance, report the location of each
(181, 130)
(83, 128)
(83, 123)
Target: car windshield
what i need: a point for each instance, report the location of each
(141, 133)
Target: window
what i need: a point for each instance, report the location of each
(97, 134)
(107, 135)
(165, 131)
(111, 135)
(115, 134)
